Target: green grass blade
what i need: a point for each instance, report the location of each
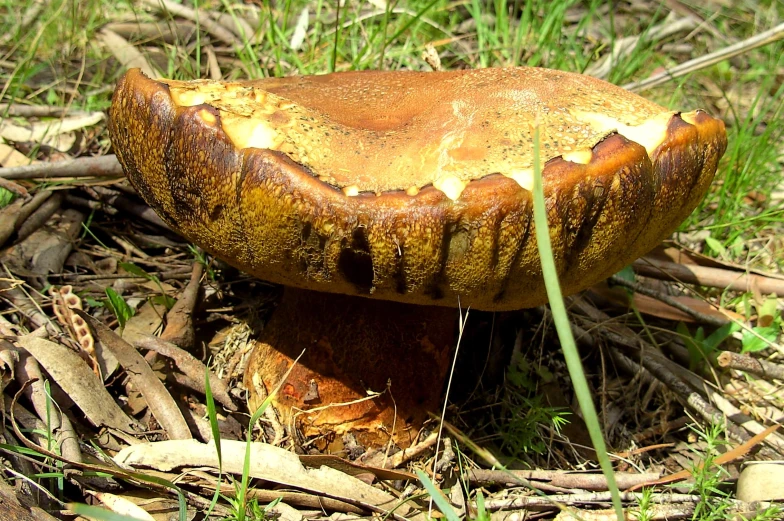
(438, 497)
(561, 320)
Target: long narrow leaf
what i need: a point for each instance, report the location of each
(561, 319)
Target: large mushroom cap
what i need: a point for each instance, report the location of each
(413, 186)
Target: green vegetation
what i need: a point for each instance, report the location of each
(57, 59)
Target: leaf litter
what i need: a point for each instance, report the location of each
(125, 398)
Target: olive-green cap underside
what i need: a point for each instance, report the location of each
(414, 186)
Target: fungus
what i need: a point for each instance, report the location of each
(382, 199)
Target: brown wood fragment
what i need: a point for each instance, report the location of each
(101, 166)
(751, 365)
(706, 276)
(564, 479)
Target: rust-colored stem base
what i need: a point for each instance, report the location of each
(353, 348)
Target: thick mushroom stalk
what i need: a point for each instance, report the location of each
(409, 187)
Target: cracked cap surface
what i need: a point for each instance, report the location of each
(413, 186)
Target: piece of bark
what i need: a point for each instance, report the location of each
(158, 399)
(44, 252)
(32, 204)
(77, 380)
(8, 218)
(39, 217)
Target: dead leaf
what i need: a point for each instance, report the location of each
(57, 133)
(78, 381)
(190, 366)
(122, 506)
(160, 402)
(266, 462)
(10, 157)
(128, 55)
(147, 320)
(353, 469)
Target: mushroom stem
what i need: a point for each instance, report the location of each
(372, 368)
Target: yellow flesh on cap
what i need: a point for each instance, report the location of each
(445, 136)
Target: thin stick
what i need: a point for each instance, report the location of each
(463, 320)
(770, 36)
(751, 365)
(707, 276)
(100, 166)
(643, 290)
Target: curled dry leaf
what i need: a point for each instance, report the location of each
(266, 462)
(78, 381)
(179, 320)
(45, 250)
(9, 356)
(160, 402)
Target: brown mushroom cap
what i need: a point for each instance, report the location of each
(412, 186)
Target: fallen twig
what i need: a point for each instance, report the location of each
(179, 320)
(549, 503)
(639, 288)
(751, 365)
(707, 60)
(563, 479)
(100, 166)
(706, 276)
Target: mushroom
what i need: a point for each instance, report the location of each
(382, 200)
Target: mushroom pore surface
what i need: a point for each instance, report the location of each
(414, 186)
